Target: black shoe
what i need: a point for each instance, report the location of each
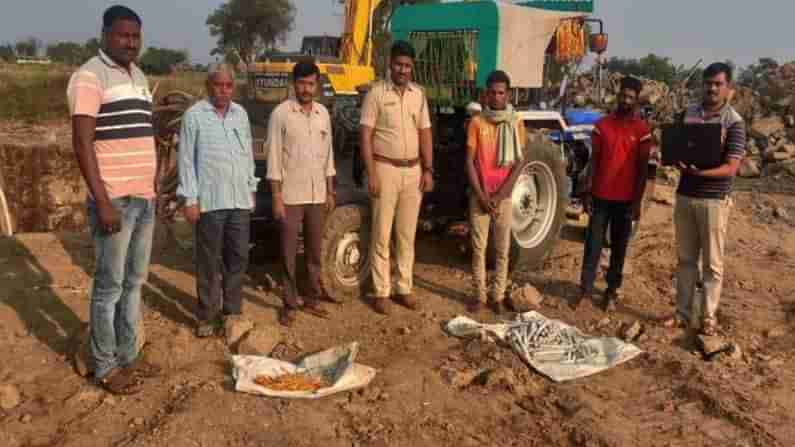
(610, 300)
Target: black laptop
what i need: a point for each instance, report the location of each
(699, 145)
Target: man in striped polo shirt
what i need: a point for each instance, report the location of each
(702, 206)
(113, 139)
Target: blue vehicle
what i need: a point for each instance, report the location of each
(576, 141)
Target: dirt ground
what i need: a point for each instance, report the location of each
(668, 396)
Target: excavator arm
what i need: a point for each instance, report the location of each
(357, 36)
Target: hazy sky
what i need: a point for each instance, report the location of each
(685, 30)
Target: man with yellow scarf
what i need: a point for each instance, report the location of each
(495, 141)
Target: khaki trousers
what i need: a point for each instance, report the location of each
(398, 203)
(700, 233)
(479, 223)
(313, 220)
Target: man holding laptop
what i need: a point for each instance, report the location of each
(703, 201)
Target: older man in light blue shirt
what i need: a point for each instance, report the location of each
(217, 184)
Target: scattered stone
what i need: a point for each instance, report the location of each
(138, 421)
(663, 196)
(404, 331)
(453, 357)
(777, 156)
(749, 168)
(458, 378)
(89, 396)
(9, 397)
(780, 213)
(735, 353)
(235, 327)
(525, 298)
(499, 377)
(26, 418)
(269, 284)
(713, 345)
(776, 332)
(259, 341)
(766, 127)
(631, 332)
(775, 362)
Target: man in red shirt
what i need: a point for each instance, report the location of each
(614, 189)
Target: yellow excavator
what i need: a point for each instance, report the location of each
(345, 62)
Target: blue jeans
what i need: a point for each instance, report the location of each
(122, 265)
(618, 216)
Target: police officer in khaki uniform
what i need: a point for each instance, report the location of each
(397, 151)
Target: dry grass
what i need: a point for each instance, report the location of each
(188, 82)
(33, 94)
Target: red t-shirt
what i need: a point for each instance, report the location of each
(617, 145)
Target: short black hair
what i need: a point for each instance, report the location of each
(305, 69)
(631, 83)
(498, 76)
(119, 12)
(718, 68)
(402, 48)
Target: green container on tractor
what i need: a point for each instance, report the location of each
(459, 43)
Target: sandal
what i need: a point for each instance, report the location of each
(143, 368)
(287, 315)
(330, 299)
(674, 322)
(205, 329)
(709, 327)
(121, 382)
(312, 307)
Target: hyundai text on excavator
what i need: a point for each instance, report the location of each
(345, 62)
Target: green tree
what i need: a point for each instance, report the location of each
(92, 47)
(229, 56)
(70, 53)
(751, 75)
(28, 47)
(251, 26)
(160, 61)
(7, 52)
(652, 67)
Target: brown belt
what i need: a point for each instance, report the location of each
(397, 163)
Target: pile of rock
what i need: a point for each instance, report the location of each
(768, 107)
